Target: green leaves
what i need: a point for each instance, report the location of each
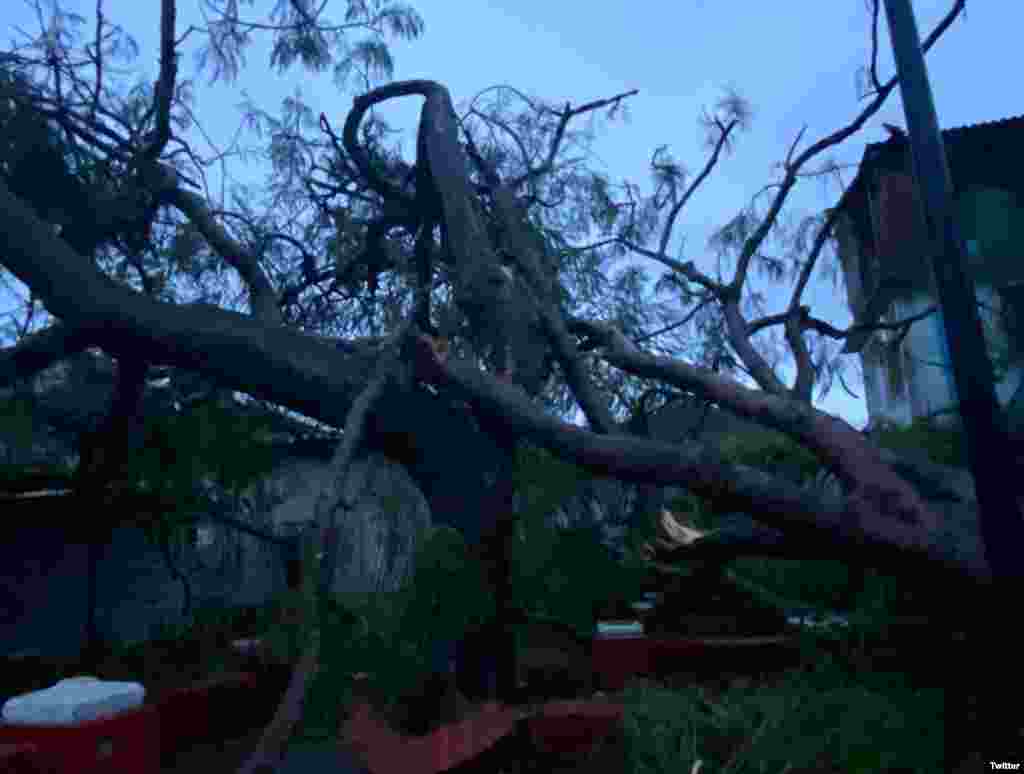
(447, 593)
(771, 452)
(17, 422)
(543, 481)
(208, 440)
(943, 445)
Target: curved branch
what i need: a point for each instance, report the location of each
(874, 488)
(262, 297)
(794, 329)
(483, 289)
(739, 337)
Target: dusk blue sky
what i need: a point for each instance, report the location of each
(795, 62)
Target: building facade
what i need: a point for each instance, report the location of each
(886, 260)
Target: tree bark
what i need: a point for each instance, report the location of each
(494, 550)
(102, 457)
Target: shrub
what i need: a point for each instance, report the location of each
(942, 444)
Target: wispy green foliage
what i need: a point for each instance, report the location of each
(819, 721)
(944, 445)
(16, 419)
(543, 482)
(447, 593)
(772, 452)
(207, 440)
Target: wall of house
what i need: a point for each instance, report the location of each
(918, 381)
(927, 387)
(43, 584)
(43, 572)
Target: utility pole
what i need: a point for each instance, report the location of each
(989, 452)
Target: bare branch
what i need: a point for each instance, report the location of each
(687, 269)
(566, 116)
(263, 298)
(812, 258)
(792, 148)
(670, 222)
(753, 243)
(899, 326)
(164, 91)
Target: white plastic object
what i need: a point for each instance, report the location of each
(619, 628)
(72, 701)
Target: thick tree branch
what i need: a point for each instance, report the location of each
(739, 337)
(484, 290)
(873, 488)
(40, 350)
(527, 254)
(805, 375)
(296, 370)
(869, 516)
(321, 381)
(273, 743)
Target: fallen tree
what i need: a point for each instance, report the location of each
(508, 331)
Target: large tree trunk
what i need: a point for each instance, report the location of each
(102, 457)
(494, 549)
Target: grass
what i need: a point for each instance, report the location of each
(814, 721)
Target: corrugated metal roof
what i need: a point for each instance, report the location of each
(986, 153)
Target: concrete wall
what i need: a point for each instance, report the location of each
(918, 381)
(43, 571)
(43, 585)
(926, 386)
